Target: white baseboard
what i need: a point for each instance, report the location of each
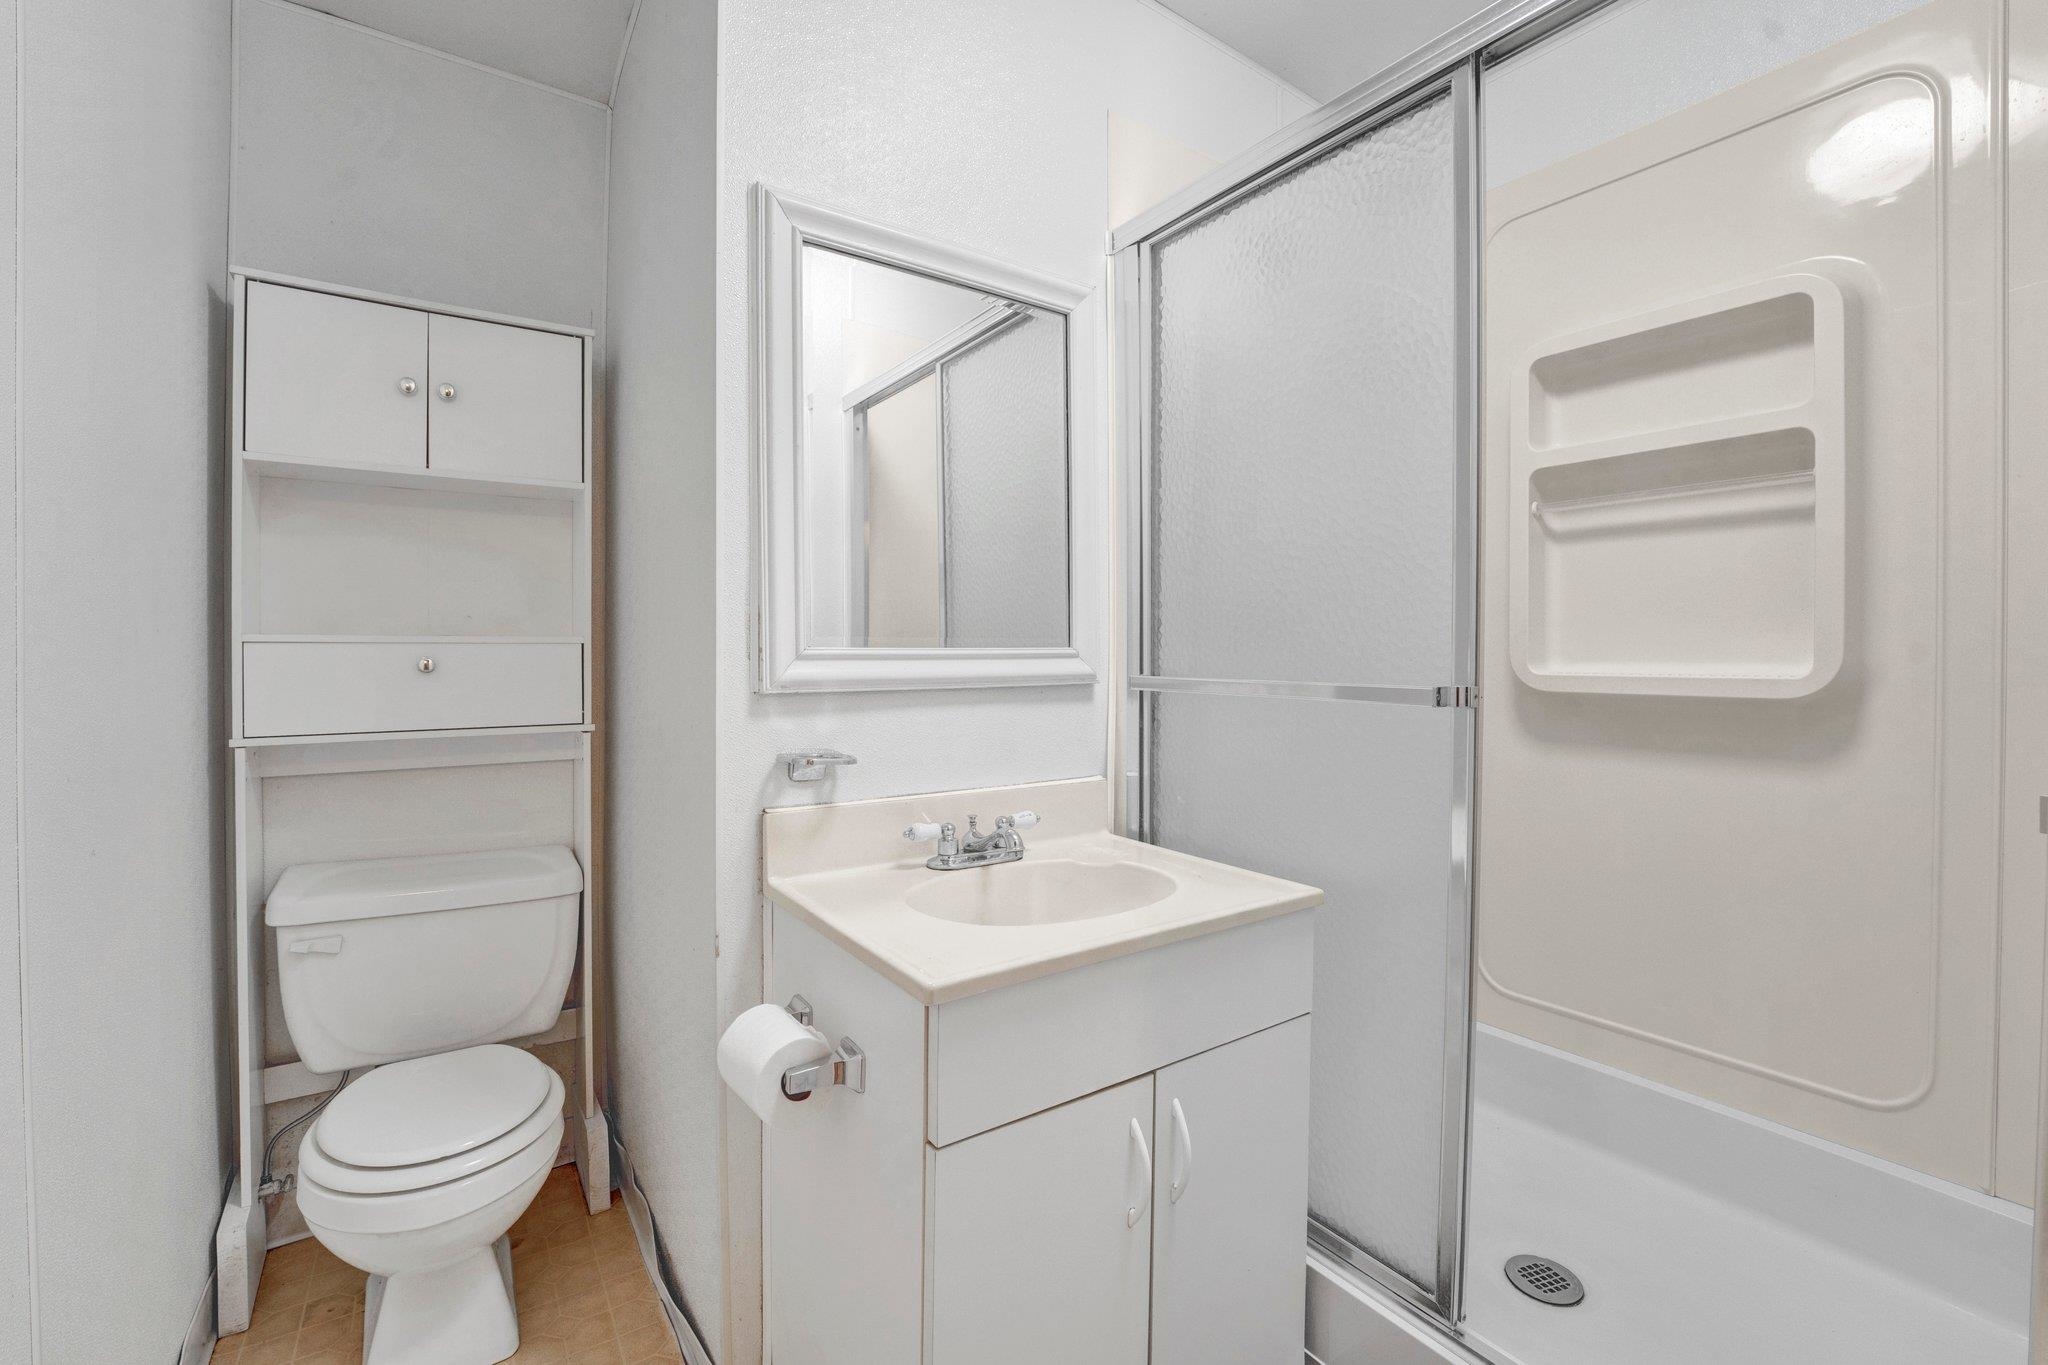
(642, 1218)
(238, 1244)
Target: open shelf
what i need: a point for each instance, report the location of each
(339, 558)
(1680, 524)
(395, 476)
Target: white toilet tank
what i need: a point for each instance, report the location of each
(387, 958)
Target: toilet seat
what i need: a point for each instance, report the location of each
(429, 1108)
(499, 1138)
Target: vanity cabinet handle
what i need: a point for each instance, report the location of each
(1183, 1154)
(408, 386)
(425, 665)
(1137, 1210)
(448, 393)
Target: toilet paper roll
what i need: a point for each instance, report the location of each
(763, 1043)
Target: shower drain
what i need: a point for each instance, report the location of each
(1545, 1281)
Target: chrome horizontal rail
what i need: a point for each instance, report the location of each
(1313, 691)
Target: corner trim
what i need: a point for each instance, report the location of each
(651, 1255)
(199, 1334)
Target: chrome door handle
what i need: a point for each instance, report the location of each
(447, 393)
(408, 386)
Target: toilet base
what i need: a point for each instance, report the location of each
(460, 1314)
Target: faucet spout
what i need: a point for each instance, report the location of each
(1003, 844)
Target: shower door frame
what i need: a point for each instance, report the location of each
(1450, 69)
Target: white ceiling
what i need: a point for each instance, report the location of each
(572, 45)
(1324, 47)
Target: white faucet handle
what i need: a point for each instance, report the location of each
(923, 833)
(1024, 819)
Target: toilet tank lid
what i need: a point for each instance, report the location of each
(365, 888)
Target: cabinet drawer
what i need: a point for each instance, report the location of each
(329, 688)
(1005, 1053)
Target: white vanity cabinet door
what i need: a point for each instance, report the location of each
(505, 402)
(1230, 1202)
(324, 379)
(1039, 1241)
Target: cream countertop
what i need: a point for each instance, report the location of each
(862, 904)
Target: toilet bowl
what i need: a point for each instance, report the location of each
(415, 1173)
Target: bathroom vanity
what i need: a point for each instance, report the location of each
(1080, 1132)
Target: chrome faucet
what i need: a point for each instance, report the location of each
(1002, 844)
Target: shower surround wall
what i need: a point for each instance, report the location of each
(1861, 928)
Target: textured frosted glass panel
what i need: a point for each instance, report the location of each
(1303, 444)
(1006, 487)
(1356, 799)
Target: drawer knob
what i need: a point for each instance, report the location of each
(408, 386)
(448, 393)
(426, 665)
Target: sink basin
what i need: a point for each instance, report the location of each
(1047, 891)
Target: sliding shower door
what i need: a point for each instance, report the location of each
(1298, 437)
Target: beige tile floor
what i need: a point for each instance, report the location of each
(583, 1294)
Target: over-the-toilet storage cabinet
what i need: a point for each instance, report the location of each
(345, 389)
(410, 610)
(1105, 1165)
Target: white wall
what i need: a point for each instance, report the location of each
(365, 160)
(658, 393)
(984, 124)
(14, 1200)
(121, 157)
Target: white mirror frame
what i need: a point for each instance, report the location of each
(783, 227)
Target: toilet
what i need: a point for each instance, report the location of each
(419, 968)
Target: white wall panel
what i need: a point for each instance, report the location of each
(367, 161)
(122, 165)
(659, 798)
(14, 1186)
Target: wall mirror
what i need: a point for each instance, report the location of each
(916, 431)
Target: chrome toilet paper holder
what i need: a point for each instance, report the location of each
(847, 1066)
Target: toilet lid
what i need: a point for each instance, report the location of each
(406, 1113)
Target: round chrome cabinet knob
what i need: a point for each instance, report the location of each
(447, 393)
(408, 386)
(426, 665)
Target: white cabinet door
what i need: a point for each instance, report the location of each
(1230, 1203)
(325, 378)
(506, 401)
(1040, 1237)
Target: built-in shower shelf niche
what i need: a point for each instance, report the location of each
(1681, 480)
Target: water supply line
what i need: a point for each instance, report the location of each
(267, 1186)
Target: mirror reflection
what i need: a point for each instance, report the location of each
(933, 469)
